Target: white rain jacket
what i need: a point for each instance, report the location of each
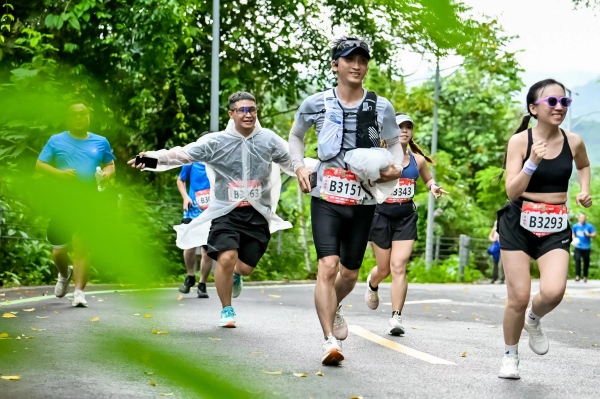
(243, 171)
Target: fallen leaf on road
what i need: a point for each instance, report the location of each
(356, 397)
(464, 354)
(594, 345)
(4, 335)
(8, 315)
(30, 337)
(272, 372)
(95, 318)
(2, 294)
(136, 314)
(57, 312)
(568, 299)
(42, 317)
(493, 326)
(29, 310)
(476, 318)
(255, 353)
(166, 394)
(274, 296)
(159, 332)
(597, 315)
(572, 332)
(299, 374)
(466, 289)
(427, 307)
(348, 306)
(180, 297)
(214, 339)
(319, 373)
(148, 373)
(147, 316)
(36, 329)
(18, 338)
(11, 377)
(153, 383)
(262, 291)
(149, 307)
(100, 300)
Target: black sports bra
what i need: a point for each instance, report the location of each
(551, 175)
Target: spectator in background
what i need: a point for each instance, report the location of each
(494, 252)
(583, 232)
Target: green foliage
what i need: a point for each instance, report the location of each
(444, 272)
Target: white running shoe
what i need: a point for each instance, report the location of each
(510, 367)
(538, 342)
(396, 327)
(238, 284)
(79, 299)
(62, 285)
(332, 352)
(371, 297)
(340, 328)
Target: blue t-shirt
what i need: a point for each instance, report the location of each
(64, 151)
(579, 230)
(198, 188)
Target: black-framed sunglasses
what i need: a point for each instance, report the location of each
(552, 101)
(245, 110)
(351, 44)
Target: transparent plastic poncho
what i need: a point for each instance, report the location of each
(243, 171)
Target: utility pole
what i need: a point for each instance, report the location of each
(214, 84)
(434, 137)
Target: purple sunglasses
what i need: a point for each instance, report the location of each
(552, 101)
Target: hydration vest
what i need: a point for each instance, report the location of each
(331, 137)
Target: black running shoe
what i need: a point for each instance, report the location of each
(202, 290)
(189, 282)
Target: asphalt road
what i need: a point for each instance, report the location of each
(452, 349)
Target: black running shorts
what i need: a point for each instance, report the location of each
(386, 229)
(341, 230)
(513, 237)
(244, 229)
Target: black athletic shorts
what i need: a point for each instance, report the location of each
(402, 226)
(244, 229)
(513, 237)
(341, 230)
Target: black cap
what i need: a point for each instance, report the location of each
(348, 46)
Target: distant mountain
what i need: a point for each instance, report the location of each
(586, 101)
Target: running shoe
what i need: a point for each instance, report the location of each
(202, 290)
(510, 367)
(227, 317)
(396, 327)
(576, 278)
(538, 342)
(340, 328)
(332, 352)
(371, 297)
(189, 282)
(238, 284)
(585, 279)
(79, 299)
(62, 285)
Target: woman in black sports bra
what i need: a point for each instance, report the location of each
(534, 224)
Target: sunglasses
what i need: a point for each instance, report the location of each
(245, 110)
(351, 44)
(552, 101)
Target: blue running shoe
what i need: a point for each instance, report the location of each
(227, 317)
(238, 284)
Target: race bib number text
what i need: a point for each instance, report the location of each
(203, 198)
(404, 191)
(238, 192)
(544, 219)
(341, 187)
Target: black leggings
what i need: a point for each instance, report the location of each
(341, 230)
(585, 255)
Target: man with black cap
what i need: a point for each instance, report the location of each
(345, 117)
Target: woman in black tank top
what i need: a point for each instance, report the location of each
(534, 224)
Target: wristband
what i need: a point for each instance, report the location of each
(529, 167)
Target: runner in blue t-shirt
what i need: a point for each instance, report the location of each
(583, 232)
(195, 200)
(73, 156)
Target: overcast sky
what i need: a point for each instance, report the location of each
(556, 40)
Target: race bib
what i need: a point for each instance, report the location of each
(544, 219)
(341, 187)
(238, 192)
(404, 191)
(203, 198)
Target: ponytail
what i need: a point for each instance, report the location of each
(523, 126)
(414, 147)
